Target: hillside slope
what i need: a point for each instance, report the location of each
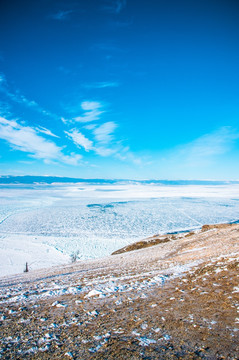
(177, 299)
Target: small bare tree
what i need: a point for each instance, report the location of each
(74, 256)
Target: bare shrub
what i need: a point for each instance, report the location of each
(74, 256)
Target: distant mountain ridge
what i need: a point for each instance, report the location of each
(28, 179)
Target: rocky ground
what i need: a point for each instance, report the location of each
(178, 299)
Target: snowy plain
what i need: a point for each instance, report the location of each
(43, 224)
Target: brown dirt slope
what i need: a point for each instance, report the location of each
(175, 300)
(159, 239)
(151, 241)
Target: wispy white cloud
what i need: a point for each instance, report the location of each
(100, 139)
(204, 155)
(46, 131)
(4, 109)
(126, 155)
(21, 99)
(104, 132)
(104, 151)
(92, 112)
(90, 105)
(105, 144)
(18, 97)
(102, 85)
(90, 126)
(209, 146)
(72, 159)
(65, 121)
(80, 139)
(15, 96)
(102, 144)
(2, 79)
(114, 6)
(119, 152)
(61, 15)
(26, 139)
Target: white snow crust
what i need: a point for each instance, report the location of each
(44, 224)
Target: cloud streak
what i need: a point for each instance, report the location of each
(208, 146)
(19, 98)
(102, 85)
(103, 143)
(26, 139)
(114, 6)
(80, 139)
(103, 136)
(46, 131)
(206, 153)
(101, 140)
(61, 15)
(91, 112)
(104, 132)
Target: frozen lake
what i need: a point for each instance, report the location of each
(44, 224)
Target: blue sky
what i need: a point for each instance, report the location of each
(120, 88)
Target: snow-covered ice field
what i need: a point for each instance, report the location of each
(44, 224)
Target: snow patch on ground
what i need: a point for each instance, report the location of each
(44, 225)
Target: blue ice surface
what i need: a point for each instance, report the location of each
(99, 226)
